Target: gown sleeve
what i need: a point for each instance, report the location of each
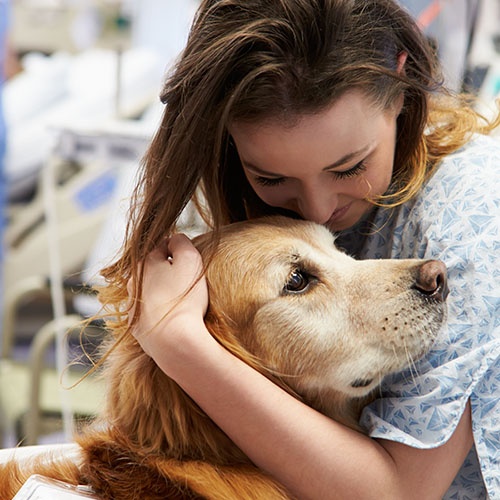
(455, 219)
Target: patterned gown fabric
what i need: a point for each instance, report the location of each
(456, 218)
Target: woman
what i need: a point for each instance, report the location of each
(331, 111)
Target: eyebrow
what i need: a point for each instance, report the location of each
(348, 157)
(342, 161)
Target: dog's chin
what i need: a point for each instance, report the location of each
(428, 338)
(365, 382)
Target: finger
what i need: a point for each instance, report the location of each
(181, 250)
(158, 255)
(179, 242)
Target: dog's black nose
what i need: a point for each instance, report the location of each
(431, 280)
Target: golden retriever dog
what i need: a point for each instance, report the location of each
(325, 327)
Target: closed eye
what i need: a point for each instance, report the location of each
(338, 174)
(298, 282)
(269, 181)
(352, 172)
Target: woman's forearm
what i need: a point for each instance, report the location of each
(312, 455)
(308, 452)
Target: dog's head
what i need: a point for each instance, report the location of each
(324, 324)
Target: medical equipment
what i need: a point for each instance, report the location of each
(49, 240)
(65, 90)
(43, 488)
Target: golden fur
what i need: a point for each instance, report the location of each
(323, 326)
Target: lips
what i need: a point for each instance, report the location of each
(339, 213)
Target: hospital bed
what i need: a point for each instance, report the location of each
(49, 243)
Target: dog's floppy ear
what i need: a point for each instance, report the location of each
(220, 326)
(223, 330)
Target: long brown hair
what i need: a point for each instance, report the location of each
(256, 59)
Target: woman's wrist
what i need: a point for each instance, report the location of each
(183, 346)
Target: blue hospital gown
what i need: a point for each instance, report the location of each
(455, 218)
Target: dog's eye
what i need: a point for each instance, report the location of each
(298, 281)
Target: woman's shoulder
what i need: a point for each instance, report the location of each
(460, 201)
(480, 156)
(459, 204)
(470, 174)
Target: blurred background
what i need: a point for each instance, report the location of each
(81, 80)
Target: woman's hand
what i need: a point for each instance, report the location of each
(174, 300)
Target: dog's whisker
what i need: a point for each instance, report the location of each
(412, 367)
(409, 363)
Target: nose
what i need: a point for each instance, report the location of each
(431, 280)
(317, 204)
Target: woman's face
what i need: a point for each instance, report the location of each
(326, 165)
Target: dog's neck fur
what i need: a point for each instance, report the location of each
(174, 427)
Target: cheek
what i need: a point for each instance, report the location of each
(379, 177)
(295, 334)
(379, 183)
(277, 196)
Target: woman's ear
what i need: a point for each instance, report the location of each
(402, 56)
